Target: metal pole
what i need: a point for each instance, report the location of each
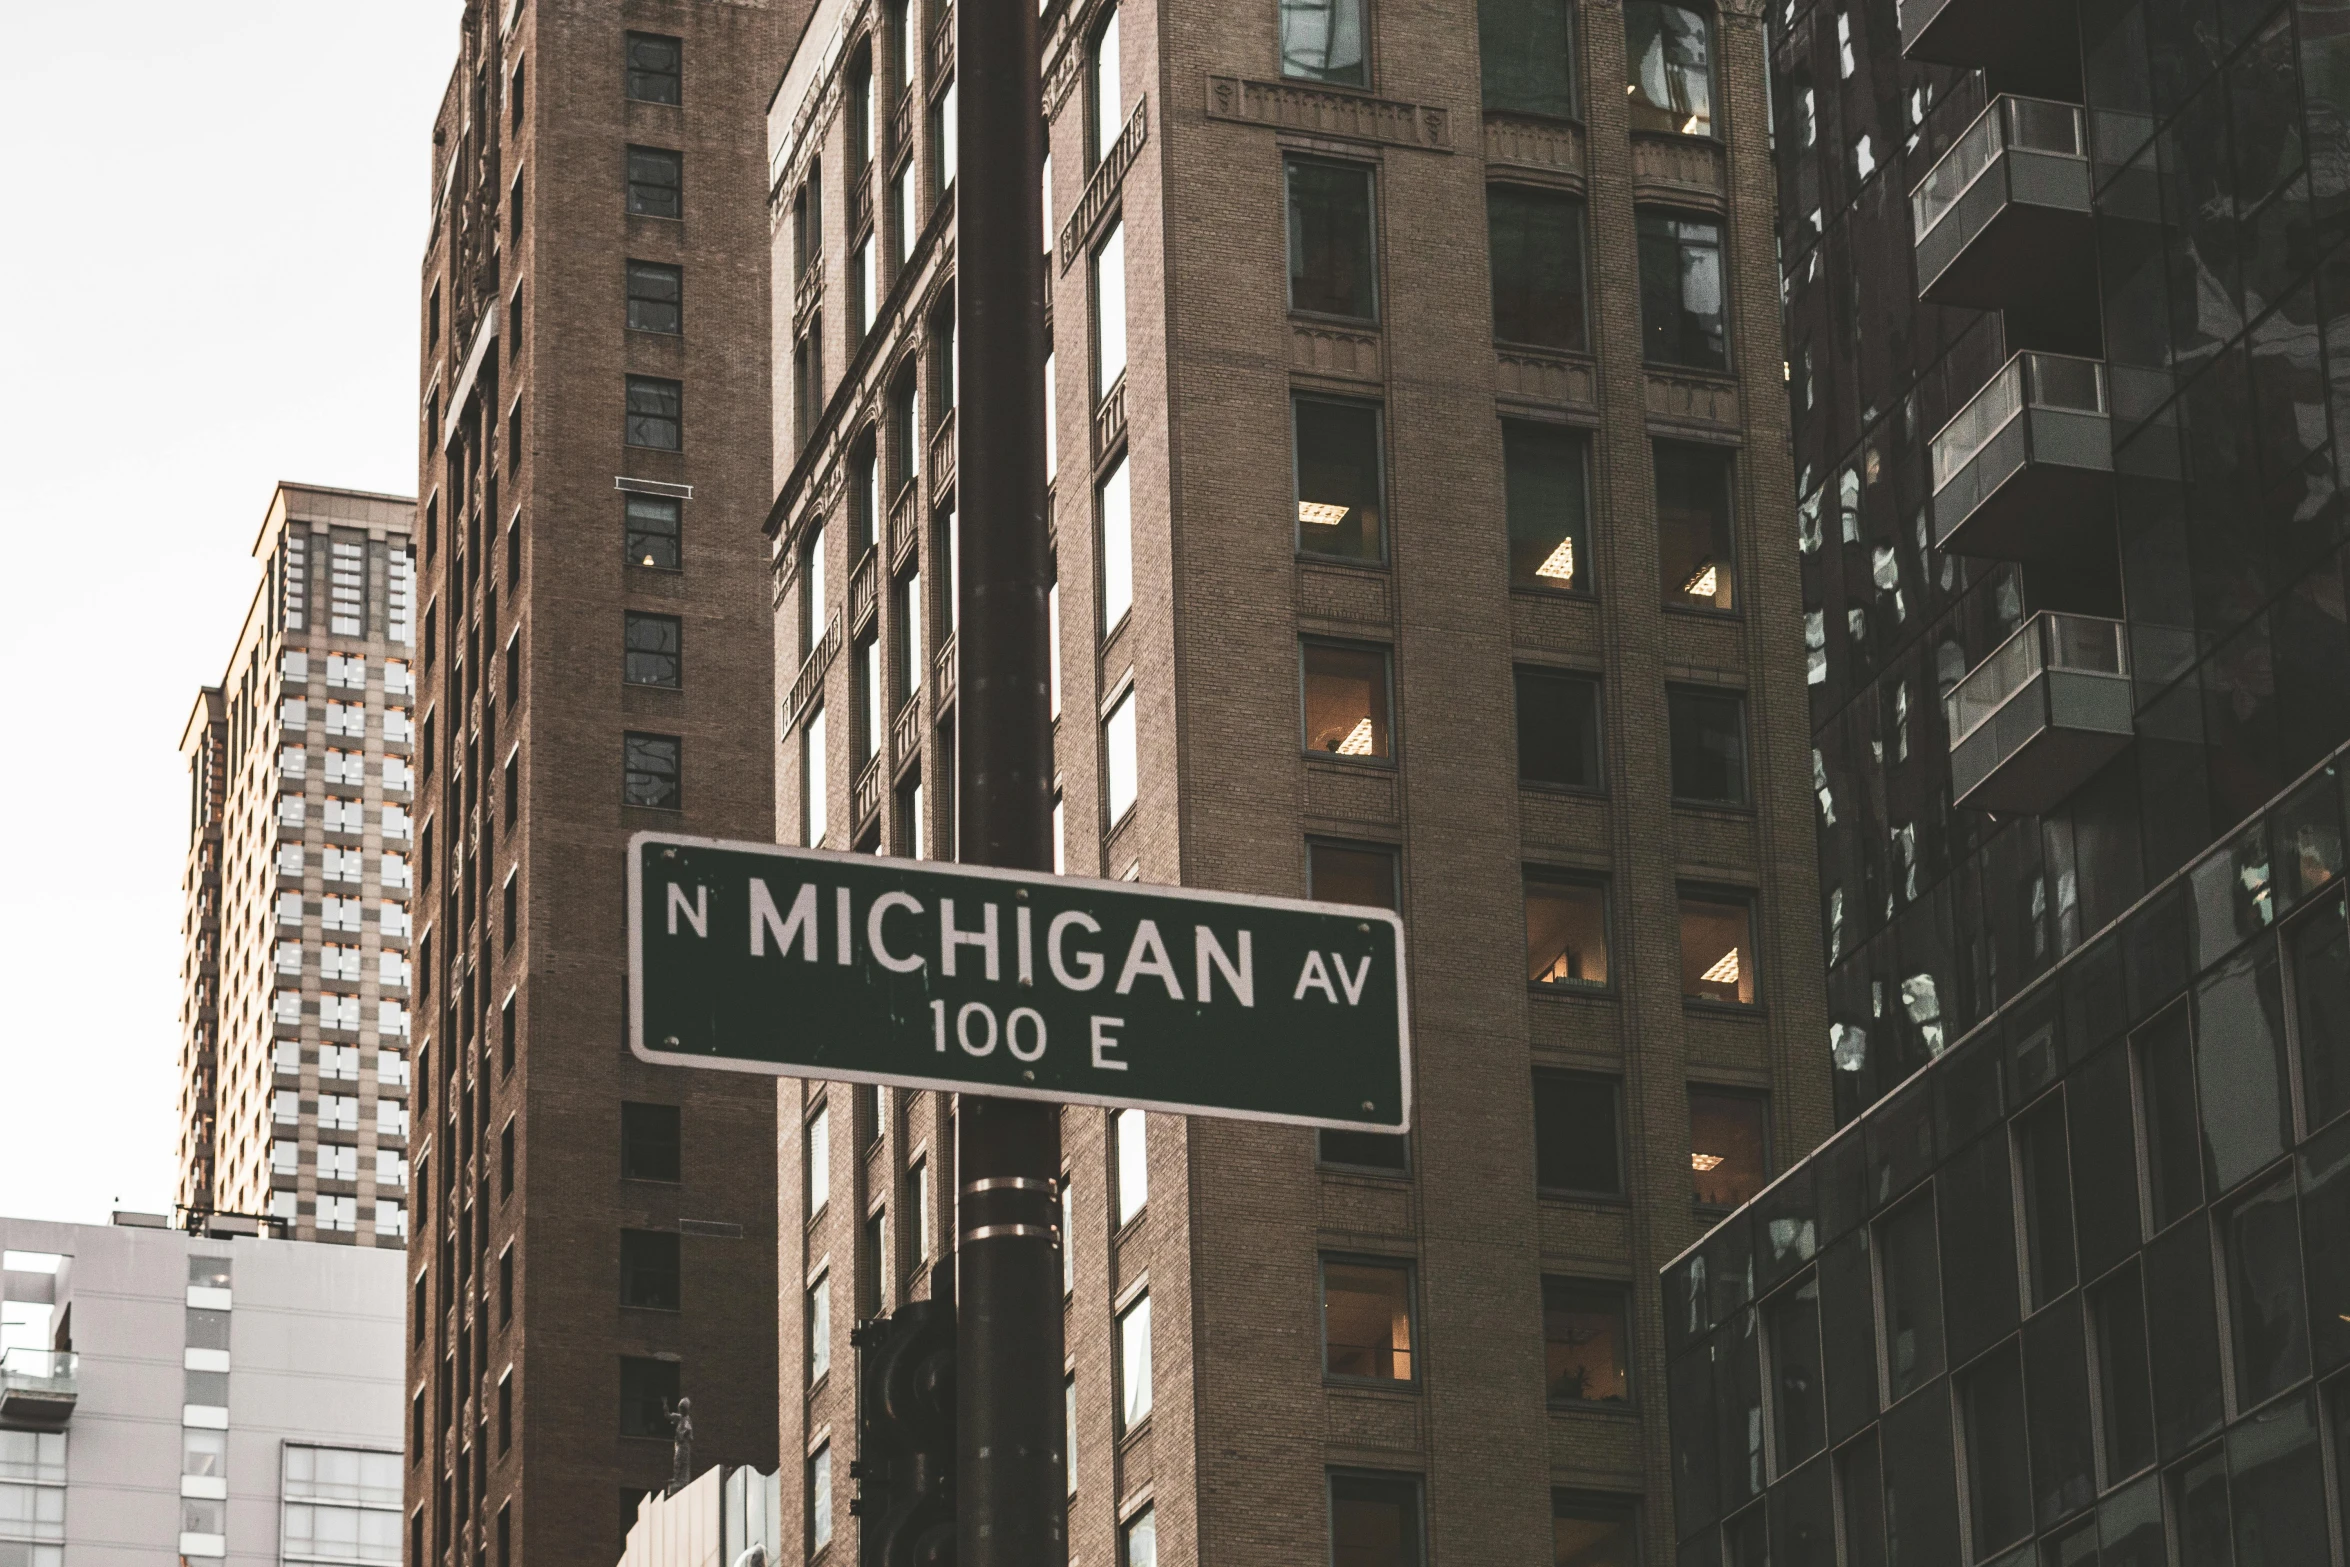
(1011, 1487)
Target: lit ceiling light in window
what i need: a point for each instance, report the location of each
(1703, 1162)
(1705, 582)
(1560, 567)
(1357, 741)
(1320, 514)
(1724, 971)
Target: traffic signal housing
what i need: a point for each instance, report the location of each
(905, 1463)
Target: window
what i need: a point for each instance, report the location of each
(1594, 1531)
(2047, 1200)
(816, 1160)
(1138, 1540)
(656, 182)
(1527, 48)
(652, 766)
(650, 526)
(1130, 1139)
(1323, 41)
(1116, 504)
(2262, 1238)
(1566, 932)
(2118, 1318)
(1586, 1344)
(1791, 1324)
(1729, 1145)
(815, 782)
(1134, 1364)
(1709, 745)
(918, 1203)
(1717, 948)
(1109, 311)
(1535, 242)
(2321, 989)
(911, 656)
(656, 297)
(1333, 265)
(1121, 759)
(1681, 299)
(818, 1321)
(1367, 1319)
(865, 691)
(1668, 59)
(1575, 1133)
(943, 132)
(1375, 1520)
(1106, 90)
(1347, 712)
(652, 1143)
(864, 287)
(1696, 553)
(1339, 481)
(1910, 1303)
(2174, 1153)
(1990, 1397)
(649, 1270)
(1548, 501)
(655, 67)
(820, 1497)
(653, 654)
(1558, 729)
(656, 413)
(648, 1391)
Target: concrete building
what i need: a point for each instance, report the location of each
(595, 1238)
(171, 1395)
(295, 1011)
(726, 1517)
(1420, 513)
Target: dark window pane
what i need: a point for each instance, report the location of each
(1332, 254)
(1991, 1411)
(1912, 1299)
(1374, 1521)
(2264, 1293)
(2174, 1157)
(1709, 745)
(1738, 1395)
(1798, 1416)
(1593, 1531)
(655, 68)
(2075, 1549)
(1346, 707)
(1803, 1519)
(1717, 949)
(656, 297)
(648, 1391)
(1535, 239)
(651, 1143)
(649, 1269)
(1730, 1145)
(2182, 1338)
(1338, 479)
(2277, 1482)
(1586, 1353)
(1681, 303)
(1921, 1490)
(1322, 41)
(2199, 1504)
(2129, 1527)
(1689, 1390)
(1575, 1133)
(2240, 1066)
(651, 778)
(1367, 1150)
(2047, 1200)
(1566, 933)
(2325, 1220)
(2056, 1371)
(1972, 1194)
(1528, 52)
(1857, 1473)
(2321, 989)
(654, 657)
(1696, 554)
(1558, 729)
(1668, 61)
(1367, 1320)
(656, 413)
(1848, 1334)
(1549, 505)
(2105, 1165)
(651, 525)
(2118, 1317)
(1351, 873)
(656, 182)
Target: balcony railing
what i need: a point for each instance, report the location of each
(39, 1387)
(864, 590)
(865, 794)
(2027, 465)
(2039, 717)
(2004, 215)
(904, 524)
(810, 679)
(942, 456)
(905, 732)
(942, 672)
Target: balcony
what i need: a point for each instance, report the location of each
(904, 513)
(942, 457)
(2019, 38)
(2037, 719)
(2025, 472)
(2005, 213)
(38, 1386)
(865, 792)
(864, 590)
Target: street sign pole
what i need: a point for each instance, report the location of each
(1011, 1496)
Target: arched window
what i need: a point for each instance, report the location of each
(1109, 103)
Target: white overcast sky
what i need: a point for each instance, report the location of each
(216, 210)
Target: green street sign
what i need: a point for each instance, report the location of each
(802, 963)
